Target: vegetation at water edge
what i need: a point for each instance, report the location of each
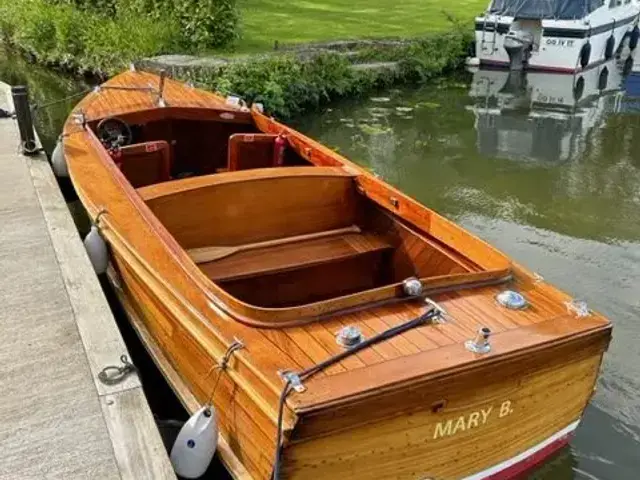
(103, 36)
(287, 86)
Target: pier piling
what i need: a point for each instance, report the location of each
(20, 94)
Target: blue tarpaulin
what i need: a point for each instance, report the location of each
(539, 9)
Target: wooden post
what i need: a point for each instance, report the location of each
(20, 95)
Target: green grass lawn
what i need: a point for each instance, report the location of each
(296, 21)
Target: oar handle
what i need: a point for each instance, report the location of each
(298, 238)
(209, 254)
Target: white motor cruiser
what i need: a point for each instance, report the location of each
(555, 35)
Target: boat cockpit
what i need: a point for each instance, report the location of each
(271, 228)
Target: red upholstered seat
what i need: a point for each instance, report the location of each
(146, 163)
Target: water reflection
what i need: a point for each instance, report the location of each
(44, 87)
(545, 117)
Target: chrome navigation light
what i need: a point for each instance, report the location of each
(412, 287)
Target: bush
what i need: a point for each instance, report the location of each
(108, 7)
(82, 40)
(434, 55)
(284, 84)
(288, 86)
(203, 23)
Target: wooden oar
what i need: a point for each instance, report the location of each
(209, 254)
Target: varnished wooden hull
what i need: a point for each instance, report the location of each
(420, 405)
(482, 418)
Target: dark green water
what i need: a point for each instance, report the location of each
(553, 182)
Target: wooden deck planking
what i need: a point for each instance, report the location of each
(57, 334)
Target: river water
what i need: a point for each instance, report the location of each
(547, 172)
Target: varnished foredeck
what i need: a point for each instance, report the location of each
(160, 276)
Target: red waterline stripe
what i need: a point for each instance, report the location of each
(516, 466)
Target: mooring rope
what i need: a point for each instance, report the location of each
(304, 374)
(38, 106)
(113, 374)
(222, 366)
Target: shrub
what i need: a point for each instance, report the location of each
(103, 6)
(83, 40)
(284, 84)
(203, 23)
(434, 55)
(288, 86)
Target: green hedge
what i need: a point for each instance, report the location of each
(86, 41)
(288, 86)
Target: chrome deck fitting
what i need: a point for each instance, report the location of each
(480, 344)
(512, 300)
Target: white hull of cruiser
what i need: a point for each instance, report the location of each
(556, 44)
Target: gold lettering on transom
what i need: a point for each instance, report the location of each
(469, 421)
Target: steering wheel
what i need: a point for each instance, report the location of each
(114, 133)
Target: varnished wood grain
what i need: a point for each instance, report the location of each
(382, 396)
(145, 163)
(293, 256)
(209, 254)
(203, 216)
(186, 397)
(543, 400)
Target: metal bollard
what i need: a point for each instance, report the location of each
(20, 95)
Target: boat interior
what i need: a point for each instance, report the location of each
(268, 226)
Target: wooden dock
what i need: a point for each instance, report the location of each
(57, 419)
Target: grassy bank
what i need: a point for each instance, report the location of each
(66, 37)
(298, 21)
(288, 86)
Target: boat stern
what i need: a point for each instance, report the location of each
(538, 44)
(495, 418)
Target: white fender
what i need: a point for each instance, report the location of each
(196, 443)
(58, 160)
(97, 250)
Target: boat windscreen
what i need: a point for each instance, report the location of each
(539, 9)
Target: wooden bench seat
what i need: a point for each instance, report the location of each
(294, 256)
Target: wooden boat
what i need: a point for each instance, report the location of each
(247, 254)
